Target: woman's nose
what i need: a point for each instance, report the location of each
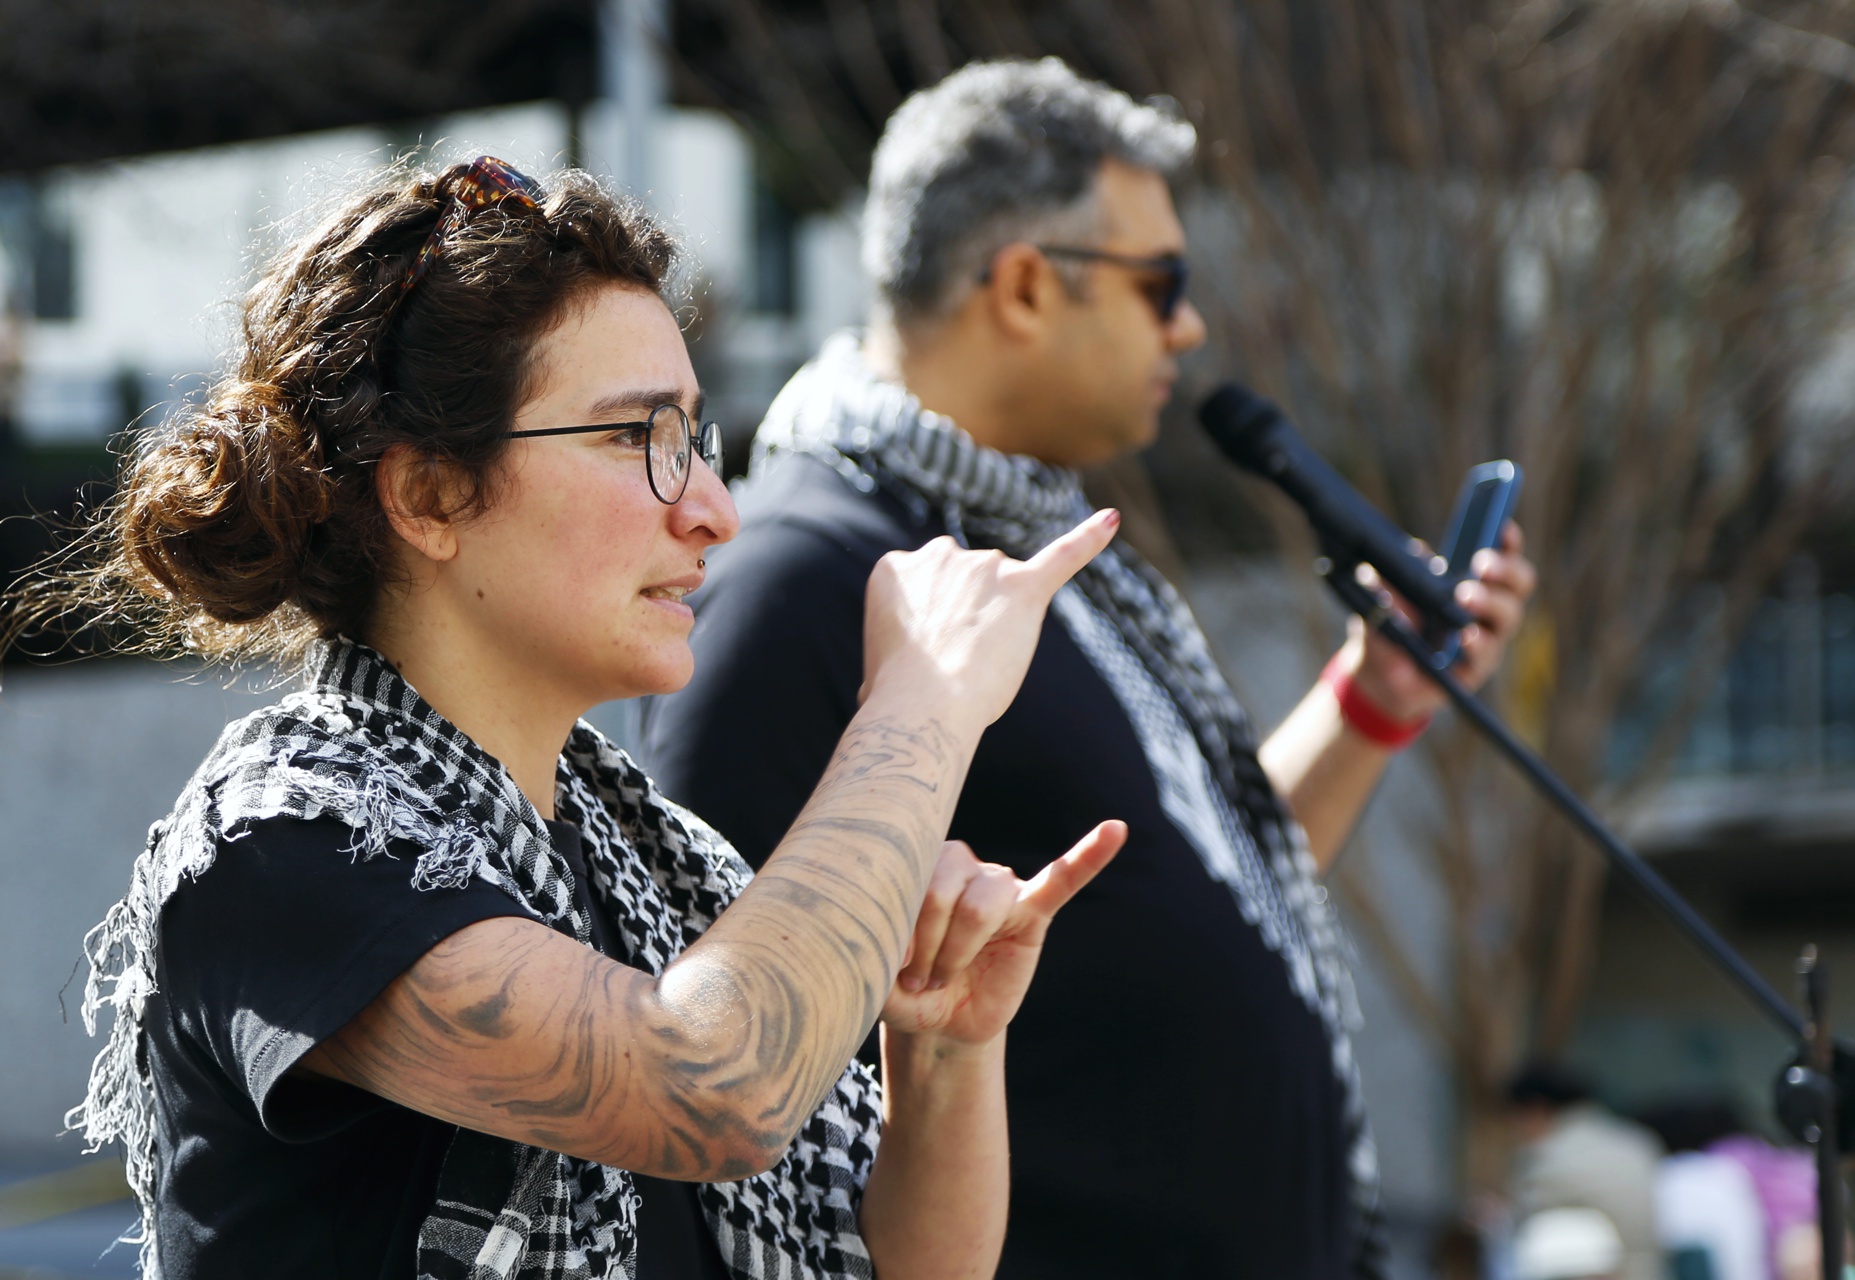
(707, 508)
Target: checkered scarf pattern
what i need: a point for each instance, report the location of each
(1143, 640)
(362, 746)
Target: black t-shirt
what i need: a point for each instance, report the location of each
(281, 942)
(674, 1241)
(1173, 1103)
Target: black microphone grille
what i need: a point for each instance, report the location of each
(1242, 423)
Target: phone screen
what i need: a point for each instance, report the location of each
(1472, 532)
(1485, 501)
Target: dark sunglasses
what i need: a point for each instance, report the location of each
(670, 446)
(487, 182)
(1166, 273)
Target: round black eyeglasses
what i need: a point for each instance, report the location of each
(670, 445)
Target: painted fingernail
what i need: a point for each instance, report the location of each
(1112, 519)
(937, 984)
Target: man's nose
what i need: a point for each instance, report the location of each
(1187, 330)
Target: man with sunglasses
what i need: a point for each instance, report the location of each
(1183, 1094)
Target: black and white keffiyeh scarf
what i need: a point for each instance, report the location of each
(362, 746)
(1143, 640)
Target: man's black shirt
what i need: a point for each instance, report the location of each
(281, 942)
(1174, 1108)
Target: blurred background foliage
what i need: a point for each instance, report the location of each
(1607, 239)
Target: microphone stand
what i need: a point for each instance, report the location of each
(1806, 1094)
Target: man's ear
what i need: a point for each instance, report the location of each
(1022, 290)
(416, 492)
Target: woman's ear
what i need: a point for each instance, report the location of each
(414, 489)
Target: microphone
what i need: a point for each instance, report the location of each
(1253, 433)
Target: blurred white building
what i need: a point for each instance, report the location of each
(125, 276)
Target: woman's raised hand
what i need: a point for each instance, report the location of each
(958, 628)
(979, 935)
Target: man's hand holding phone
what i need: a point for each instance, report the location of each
(1497, 581)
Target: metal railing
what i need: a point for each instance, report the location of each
(1785, 704)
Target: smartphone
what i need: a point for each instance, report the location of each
(1489, 493)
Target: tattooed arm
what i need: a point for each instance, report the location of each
(707, 1071)
(511, 1028)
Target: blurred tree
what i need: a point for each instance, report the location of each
(1606, 238)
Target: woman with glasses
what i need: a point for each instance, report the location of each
(422, 976)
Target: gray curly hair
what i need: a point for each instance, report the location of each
(998, 152)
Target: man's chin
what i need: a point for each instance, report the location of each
(1142, 437)
(1102, 440)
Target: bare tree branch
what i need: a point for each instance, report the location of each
(1606, 238)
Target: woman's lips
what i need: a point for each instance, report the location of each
(669, 595)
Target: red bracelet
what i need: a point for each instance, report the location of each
(1367, 718)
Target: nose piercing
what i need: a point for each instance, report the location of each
(701, 563)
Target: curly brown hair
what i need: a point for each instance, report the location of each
(250, 527)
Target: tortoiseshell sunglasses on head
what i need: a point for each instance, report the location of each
(487, 182)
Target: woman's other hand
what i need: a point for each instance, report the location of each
(979, 935)
(957, 628)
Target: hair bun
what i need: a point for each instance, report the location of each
(220, 513)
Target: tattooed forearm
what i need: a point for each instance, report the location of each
(884, 745)
(707, 1071)
(813, 945)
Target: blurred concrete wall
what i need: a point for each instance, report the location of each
(90, 755)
